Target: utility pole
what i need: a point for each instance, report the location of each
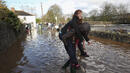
(41, 9)
(42, 13)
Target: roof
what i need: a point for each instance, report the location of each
(22, 13)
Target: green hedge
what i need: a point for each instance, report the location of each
(8, 17)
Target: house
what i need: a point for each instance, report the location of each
(25, 17)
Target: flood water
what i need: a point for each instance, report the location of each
(112, 28)
(42, 52)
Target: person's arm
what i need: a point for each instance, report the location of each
(86, 38)
(85, 35)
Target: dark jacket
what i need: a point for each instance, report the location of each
(73, 25)
(84, 29)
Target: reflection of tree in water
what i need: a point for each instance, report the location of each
(53, 33)
(49, 35)
(40, 30)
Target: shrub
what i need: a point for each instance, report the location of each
(9, 18)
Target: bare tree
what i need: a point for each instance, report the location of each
(2, 3)
(29, 9)
(93, 14)
(122, 13)
(54, 11)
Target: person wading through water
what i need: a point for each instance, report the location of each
(71, 36)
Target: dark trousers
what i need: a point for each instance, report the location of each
(70, 48)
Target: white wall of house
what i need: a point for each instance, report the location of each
(28, 20)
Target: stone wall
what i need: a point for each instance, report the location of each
(8, 35)
(124, 38)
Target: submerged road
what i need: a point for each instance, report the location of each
(42, 52)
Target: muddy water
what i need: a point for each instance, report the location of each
(43, 52)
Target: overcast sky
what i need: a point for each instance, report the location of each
(67, 6)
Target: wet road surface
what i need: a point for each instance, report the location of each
(43, 52)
